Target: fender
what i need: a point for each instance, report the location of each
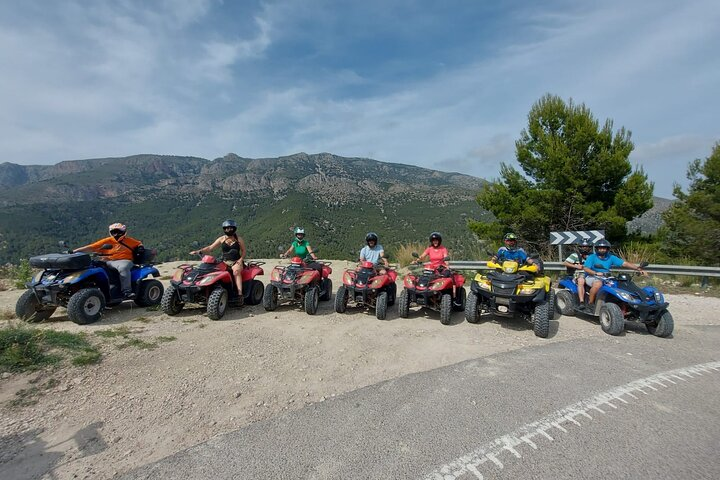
(85, 275)
(248, 273)
(441, 284)
(137, 274)
(215, 277)
(348, 278)
(459, 280)
(568, 284)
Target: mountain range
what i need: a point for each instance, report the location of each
(171, 202)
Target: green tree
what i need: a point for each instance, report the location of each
(575, 176)
(692, 223)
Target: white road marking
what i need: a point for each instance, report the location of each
(490, 451)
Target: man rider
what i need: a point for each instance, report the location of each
(598, 265)
(119, 257)
(373, 252)
(574, 264)
(511, 251)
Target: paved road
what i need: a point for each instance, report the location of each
(633, 406)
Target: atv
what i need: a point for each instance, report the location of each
(433, 288)
(619, 299)
(300, 284)
(512, 290)
(212, 284)
(364, 286)
(85, 286)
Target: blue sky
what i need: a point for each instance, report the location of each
(441, 84)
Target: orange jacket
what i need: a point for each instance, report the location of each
(118, 251)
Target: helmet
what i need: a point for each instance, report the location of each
(510, 236)
(510, 240)
(229, 223)
(119, 230)
(371, 236)
(584, 246)
(299, 230)
(436, 236)
(602, 243)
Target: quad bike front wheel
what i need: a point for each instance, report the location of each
(150, 293)
(270, 298)
(471, 308)
(86, 306)
(445, 308)
(341, 299)
(217, 303)
(403, 304)
(312, 296)
(29, 308)
(381, 304)
(541, 320)
(611, 319)
(566, 302)
(171, 304)
(551, 304)
(663, 326)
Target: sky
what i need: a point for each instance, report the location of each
(440, 84)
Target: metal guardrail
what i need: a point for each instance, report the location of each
(559, 267)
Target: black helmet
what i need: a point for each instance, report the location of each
(229, 224)
(371, 236)
(602, 243)
(436, 236)
(584, 246)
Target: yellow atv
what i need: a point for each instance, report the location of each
(509, 290)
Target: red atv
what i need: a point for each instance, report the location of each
(365, 287)
(298, 283)
(212, 283)
(433, 288)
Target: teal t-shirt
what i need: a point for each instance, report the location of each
(301, 248)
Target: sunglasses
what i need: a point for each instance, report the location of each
(116, 232)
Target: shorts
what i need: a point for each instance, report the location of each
(591, 279)
(579, 274)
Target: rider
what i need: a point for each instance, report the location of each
(119, 257)
(598, 265)
(436, 253)
(574, 263)
(373, 252)
(301, 248)
(233, 252)
(511, 251)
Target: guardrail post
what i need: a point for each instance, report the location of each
(704, 282)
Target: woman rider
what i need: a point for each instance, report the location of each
(233, 252)
(301, 248)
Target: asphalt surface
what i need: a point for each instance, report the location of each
(593, 408)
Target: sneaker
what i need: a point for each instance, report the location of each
(240, 300)
(128, 295)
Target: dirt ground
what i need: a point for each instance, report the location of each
(205, 378)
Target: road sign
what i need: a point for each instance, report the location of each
(567, 238)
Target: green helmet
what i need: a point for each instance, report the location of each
(510, 236)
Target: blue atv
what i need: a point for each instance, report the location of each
(85, 286)
(619, 299)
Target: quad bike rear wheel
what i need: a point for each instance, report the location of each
(150, 292)
(171, 304)
(341, 299)
(551, 304)
(460, 300)
(663, 327)
(217, 303)
(270, 298)
(403, 304)
(86, 306)
(257, 289)
(611, 319)
(29, 308)
(445, 308)
(312, 296)
(381, 304)
(327, 290)
(471, 308)
(566, 302)
(392, 294)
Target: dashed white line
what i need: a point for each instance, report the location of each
(492, 450)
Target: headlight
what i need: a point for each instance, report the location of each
(347, 278)
(275, 275)
(627, 297)
(409, 282)
(304, 279)
(437, 286)
(528, 291)
(207, 280)
(484, 286)
(377, 283)
(177, 276)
